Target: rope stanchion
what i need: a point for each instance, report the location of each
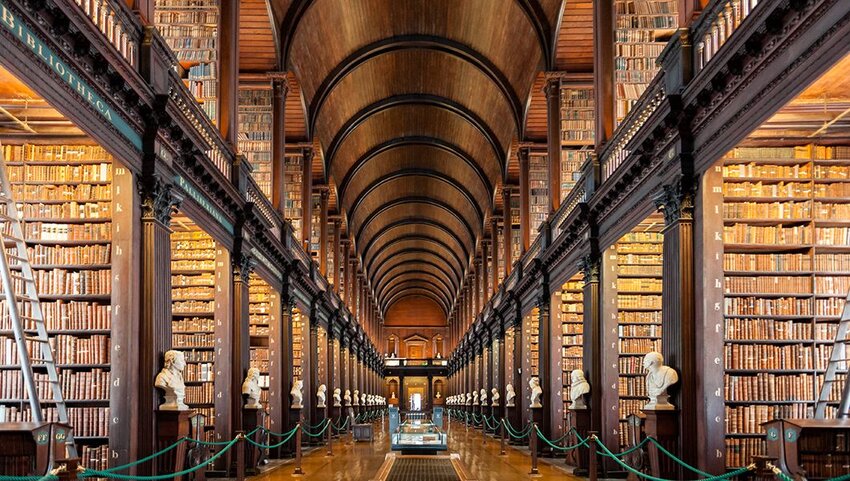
(502, 451)
(240, 456)
(298, 431)
(46, 477)
(325, 423)
(91, 473)
(136, 462)
(533, 447)
(582, 442)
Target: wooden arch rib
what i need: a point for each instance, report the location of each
(429, 261)
(422, 271)
(298, 8)
(407, 245)
(424, 173)
(416, 42)
(418, 140)
(423, 200)
(414, 99)
(414, 290)
(433, 228)
(414, 278)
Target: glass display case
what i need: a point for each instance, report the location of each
(419, 437)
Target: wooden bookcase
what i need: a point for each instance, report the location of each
(515, 234)
(577, 133)
(571, 315)
(315, 226)
(255, 134)
(298, 341)
(193, 292)
(329, 249)
(638, 279)
(787, 273)
(642, 30)
(191, 29)
(259, 326)
(65, 194)
(531, 357)
(293, 173)
(812, 449)
(538, 191)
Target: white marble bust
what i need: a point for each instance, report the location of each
(296, 394)
(392, 395)
(322, 396)
(482, 397)
(337, 398)
(251, 389)
(658, 378)
(347, 397)
(536, 392)
(170, 381)
(510, 396)
(468, 398)
(578, 388)
(494, 397)
(356, 397)
(363, 399)
(475, 398)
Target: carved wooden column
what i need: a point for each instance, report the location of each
(608, 350)
(306, 198)
(226, 347)
(313, 367)
(288, 362)
(324, 193)
(240, 359)
(516, 376)
(603, 68)
(544, 332)
(500, 369)
(279, 90)
(553, 140)
(278, 377)
(679, 340)
(507, 231)
(524, 201)
(485, 274)
(154, 324)
(592, 327)
(228, 62)
(346, 266)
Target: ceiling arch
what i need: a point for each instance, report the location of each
(415, 105)
(414, 291)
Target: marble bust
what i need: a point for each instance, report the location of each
(392, 395)
(438, 396)
(658, 378)
(536, 392)
(494, 397)
(170, 381)
(578, 388)
(363, 399)
(483, 397)
(251, 389)
(510, 396)
(468, 398)
(296, 395)
(347, 397)
(322, 396)
(356, 397)
(337, 399)
(475, 398)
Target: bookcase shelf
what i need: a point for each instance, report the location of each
(259, 319)
(570, 313)
(293, 173)
(65, 194)
(298, 342)
(577, 133)
(255, 134)
(538, 179)
(797, 249)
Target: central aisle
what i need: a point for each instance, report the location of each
(361, 461)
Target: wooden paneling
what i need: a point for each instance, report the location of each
(535, 119)
(257, 50)
(414, 311)
(574, 52)
(295, 127)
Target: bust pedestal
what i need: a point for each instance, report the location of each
(171, 426)
(485, 412)
(334, 412)
(515, 419)
(663, 425)
(580, 420)
(251, 420)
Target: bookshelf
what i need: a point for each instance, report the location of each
(639, 264)
(577, 133)
(259, 325)
(315, 226)
(515, 234)
(531, 353)
(190, 29)
(255, 134)
(500, 244)
(571, 315)
(293, 174)
(538, 191)
(787, 274)
(298, 340)
(193, 259)
(331, 254)
(642, 30)
(65, 195)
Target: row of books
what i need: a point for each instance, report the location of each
(50, 231)
(769, 262)
(748, 419)
(97, 254)
(61, 192)
(65, 282)
(652, 317)
(774, 330)
(53, 153)
(768, 284)
(652, 261)
(633, 301)
(772, 357)
(647, 285)
(200, 394)
(767, 189)
(196, 280)
(202, 293)
(75, 385)
(741, 233)
(758, 169)
(194, 340)
(640, 248)
(199, 372)
(639, 346)
(87, 422)
(767, 210)
(101, 172)
(193, 324)
(769, 387)
(66, 315)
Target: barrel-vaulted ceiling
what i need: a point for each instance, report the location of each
(415, 104)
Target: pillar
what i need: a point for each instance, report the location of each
(324, 193)
(240, 339)
(603, 68)
(507, 231)
(524, 201)
(279, 90)
(306, 197)
(228, 65)
(494, 269)
(336, 255)
(553, 140)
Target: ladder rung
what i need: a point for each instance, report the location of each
(16, 257)
(6, 218)
(11, 238)
(36, 339)
(26, 298)
(21, 278)
(46, 361)
(46, 381)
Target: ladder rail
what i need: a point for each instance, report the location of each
(837, 357)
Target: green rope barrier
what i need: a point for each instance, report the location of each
(340, 425)
(784, 477)
(677, 460)
(611, 455)
(276, 445)
(46, 477)
(91, 473)
(146, 458)
(555, 446)
(516, 434)
(491, 427)
(317, 426)
(279, 435)
(327, 423)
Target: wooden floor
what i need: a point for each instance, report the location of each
(361, 461)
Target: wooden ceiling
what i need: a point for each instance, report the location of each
(415, 106)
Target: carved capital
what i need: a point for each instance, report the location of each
(158, 200)
(589, 266)
(552, 87)
(243, 266)
(676, 202)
